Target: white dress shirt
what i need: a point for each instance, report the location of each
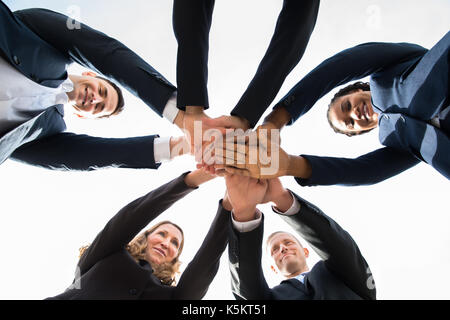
(21, 99)
(253, 224)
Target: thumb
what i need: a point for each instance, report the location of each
(222, 121)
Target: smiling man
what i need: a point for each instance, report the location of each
(95, 97)
(342, 274)
(34, 86)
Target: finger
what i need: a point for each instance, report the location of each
(237, 171)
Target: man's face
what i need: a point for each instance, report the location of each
(289, 256)
(353, 113)
(93, 97)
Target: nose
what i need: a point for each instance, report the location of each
(95, 98)
(355, 113)
(283, 248)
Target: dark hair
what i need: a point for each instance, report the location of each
(364, 86)
(120, 101)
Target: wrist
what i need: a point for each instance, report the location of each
(178, 147)
(278, 118)
(283, 201)
(194, 109)
(299, 167)
(244, 214)
(195, 178)
(178, 121)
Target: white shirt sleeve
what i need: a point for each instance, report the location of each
(295, 208)
(248, 225)
(170, 111)
(161, 149)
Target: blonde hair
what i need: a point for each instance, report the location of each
(165, 272)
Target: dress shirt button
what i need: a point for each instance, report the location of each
(133, 292)
(16, 60)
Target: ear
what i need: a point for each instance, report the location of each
(306, 252)
(273, 269)
(89, 74)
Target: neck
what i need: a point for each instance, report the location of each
(296, 273)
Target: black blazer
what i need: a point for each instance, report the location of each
(342, 273)
(192, 22)
(107, 271)
(45, 48)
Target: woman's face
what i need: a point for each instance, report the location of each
(163, 244)
(353, 113)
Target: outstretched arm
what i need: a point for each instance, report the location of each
(294, 27)
(101, 53)
(135, 216)
(348, 65)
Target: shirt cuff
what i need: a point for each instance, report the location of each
(161, 149)
(247, 226)
(170, 111)
(295, 207)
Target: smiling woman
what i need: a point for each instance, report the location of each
(118, 265)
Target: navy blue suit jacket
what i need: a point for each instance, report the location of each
(342, 274)
(38, 43)
(409, 86)
(192, 22)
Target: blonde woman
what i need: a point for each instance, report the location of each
(120, 265)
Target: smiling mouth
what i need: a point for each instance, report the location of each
(85, 96)
(161, 252)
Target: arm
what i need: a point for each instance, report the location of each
(334, 245)
(294, 26)
(348, 65)
(131, 219)
(191, 24)
(245, 252)
(198, 275)
(101, 53)
(69, 151)
(367, 169)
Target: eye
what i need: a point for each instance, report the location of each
(175, 243)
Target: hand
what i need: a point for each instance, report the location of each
(228, 122)
(254, 155)
(179, 146)
(244, 194)
(278, 195)
(195, 178)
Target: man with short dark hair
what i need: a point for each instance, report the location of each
(36, 48)
(342, 274)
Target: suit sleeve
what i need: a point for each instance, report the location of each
(200, 272)
(245, 252)
(348, 65)
(131, 219)
(69, 151)
(101, 53)
(367, 169)
(293, 30)
(191, 25)
(335, 246)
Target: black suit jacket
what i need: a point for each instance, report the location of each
(38, 43)
(107, 271)
(342, 273)
(192, 22)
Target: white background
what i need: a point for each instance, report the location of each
(401, 225)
